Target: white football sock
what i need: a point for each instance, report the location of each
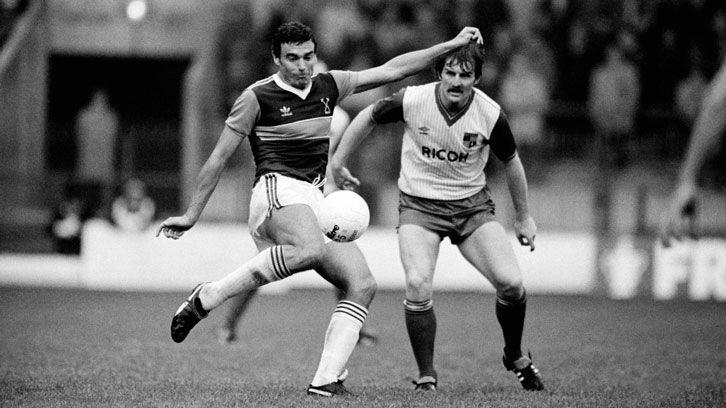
(340, 340)
(265, 267)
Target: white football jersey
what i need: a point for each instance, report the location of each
(443, 156)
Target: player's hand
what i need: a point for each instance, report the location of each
(526, 230)
(679, 219)
(343, 179)
(174, 227)
(467, 35)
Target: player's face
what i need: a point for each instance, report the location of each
(457, 84)
(296, 63)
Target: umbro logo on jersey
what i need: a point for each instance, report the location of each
(286, 111)
(424, 130)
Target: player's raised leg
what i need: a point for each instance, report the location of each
(345, 267)
(299, 246)
(491, 252)
(419, 249)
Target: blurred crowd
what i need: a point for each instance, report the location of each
(131, 211)
(600, 80)
(547, 62)
(589, 78)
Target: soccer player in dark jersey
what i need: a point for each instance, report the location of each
(450, 129)
(238, 305)
(286, 118)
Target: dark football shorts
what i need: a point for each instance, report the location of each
(456, 219)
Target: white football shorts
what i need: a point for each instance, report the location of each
(274, 190)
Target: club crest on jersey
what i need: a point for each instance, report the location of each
(472, 140)
(286, 111)
(325, 102)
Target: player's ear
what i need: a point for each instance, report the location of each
(275, 59)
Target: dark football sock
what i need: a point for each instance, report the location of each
(421, 326)
(510, 315)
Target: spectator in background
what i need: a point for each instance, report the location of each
(242, 60)
(689, 92)
(575, 64)
(665, 58)
(497, 61)
(613, 105)
(395, 31)
(339, 24)
(546, 17)
(541, 58)
(488, 15)
(96, 132)
(67, 223)
(525, 96)
(627, 40)
(133, 210)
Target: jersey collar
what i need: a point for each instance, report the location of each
(302, 93)
(451, 118)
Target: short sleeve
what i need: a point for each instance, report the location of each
(501, 139)
(244, 113)
(346, 82)
(389, 109)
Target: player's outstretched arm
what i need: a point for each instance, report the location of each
(354, 134)
(707, 131)
(410, 63)
(524, 225)
(174, 227)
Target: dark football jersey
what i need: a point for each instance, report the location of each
(289, 128)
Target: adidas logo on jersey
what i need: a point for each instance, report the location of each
(286, 111)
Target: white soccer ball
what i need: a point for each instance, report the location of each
(343, 216)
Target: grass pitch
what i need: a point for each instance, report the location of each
(75, 348)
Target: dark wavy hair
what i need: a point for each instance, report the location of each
(292, 33)
(470, 56)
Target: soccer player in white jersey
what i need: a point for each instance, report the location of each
(286, 118)
(450, 129)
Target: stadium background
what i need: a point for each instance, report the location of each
(173, 73)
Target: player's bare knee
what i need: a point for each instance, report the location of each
(362, 289)
(419, 290)
(368, 290)
(511, 290)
